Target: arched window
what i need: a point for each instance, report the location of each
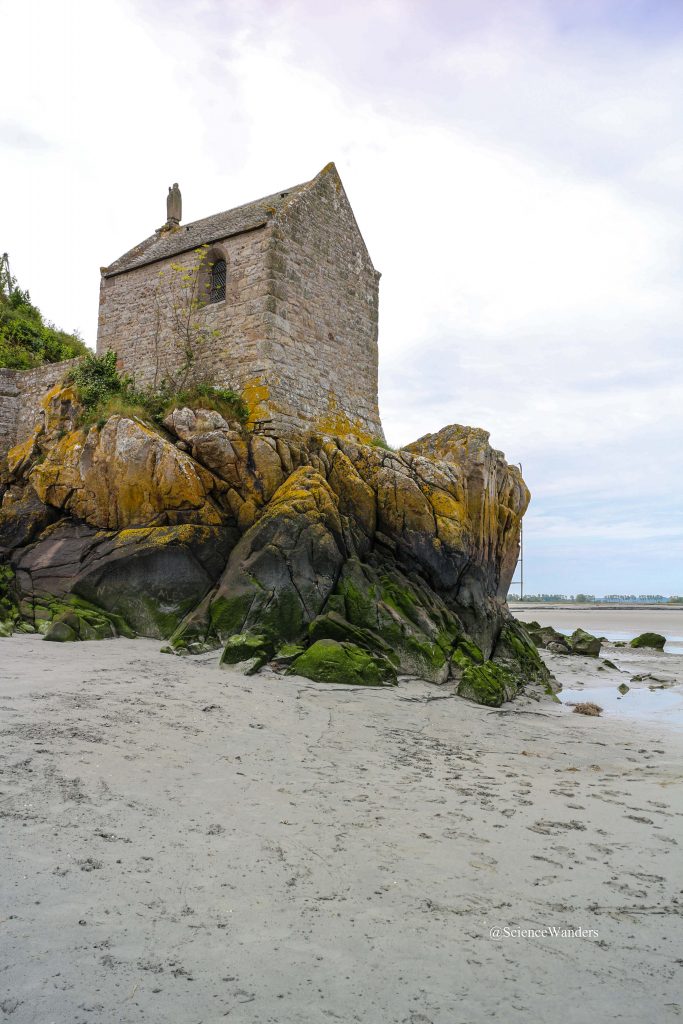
(217, 281)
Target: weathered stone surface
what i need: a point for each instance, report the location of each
(280, 573)
(186, 423)
(297, 331)
(122, 476)
(22, 517)
(151, 577)
(394, 562)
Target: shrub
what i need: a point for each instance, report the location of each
(26, 340)
(96, 379)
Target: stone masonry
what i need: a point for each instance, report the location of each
(21, 392)
(297, 330)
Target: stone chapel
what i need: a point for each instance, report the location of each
(285, 305)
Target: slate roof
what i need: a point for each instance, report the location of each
(160, 246)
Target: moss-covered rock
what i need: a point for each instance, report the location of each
(61, 632)
(255, 649)
(487, 684)
(546, 637)
(483, 682)
(411, 620)
(653, 640)
(281, 572)
(328, 661)
(285, 655)
(516, 653)
(333, 626)
(72, 618)
(9, 604)
(581, 642)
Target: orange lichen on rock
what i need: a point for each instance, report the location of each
(124, 475)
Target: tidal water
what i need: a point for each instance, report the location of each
(654, 678)
(612, 623)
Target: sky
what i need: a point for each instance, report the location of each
(516, 168)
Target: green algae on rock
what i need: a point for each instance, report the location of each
(653, 640)
(329, 661)
(252, 649)
(582, 642)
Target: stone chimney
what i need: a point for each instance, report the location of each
(174, 206)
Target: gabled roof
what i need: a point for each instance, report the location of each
(186, 237)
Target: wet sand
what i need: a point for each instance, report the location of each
(187, 845)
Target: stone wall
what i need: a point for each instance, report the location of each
(297, 332)
(20, 394)
(137, 322)
(9, 410)
(323, 327)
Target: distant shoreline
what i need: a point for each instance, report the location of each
(597, 605)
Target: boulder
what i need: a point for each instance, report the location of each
(581, 642)
(655, 641)
(329, 661)
(487, 684)
(61, 632)
(252, 650)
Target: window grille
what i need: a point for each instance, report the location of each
(218, 279)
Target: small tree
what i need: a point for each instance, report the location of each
(180, 312)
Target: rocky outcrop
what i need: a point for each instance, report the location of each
(326, 557)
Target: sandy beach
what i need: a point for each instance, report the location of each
(186, 844)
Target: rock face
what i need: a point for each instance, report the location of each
(123, 476)
(336, 560)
